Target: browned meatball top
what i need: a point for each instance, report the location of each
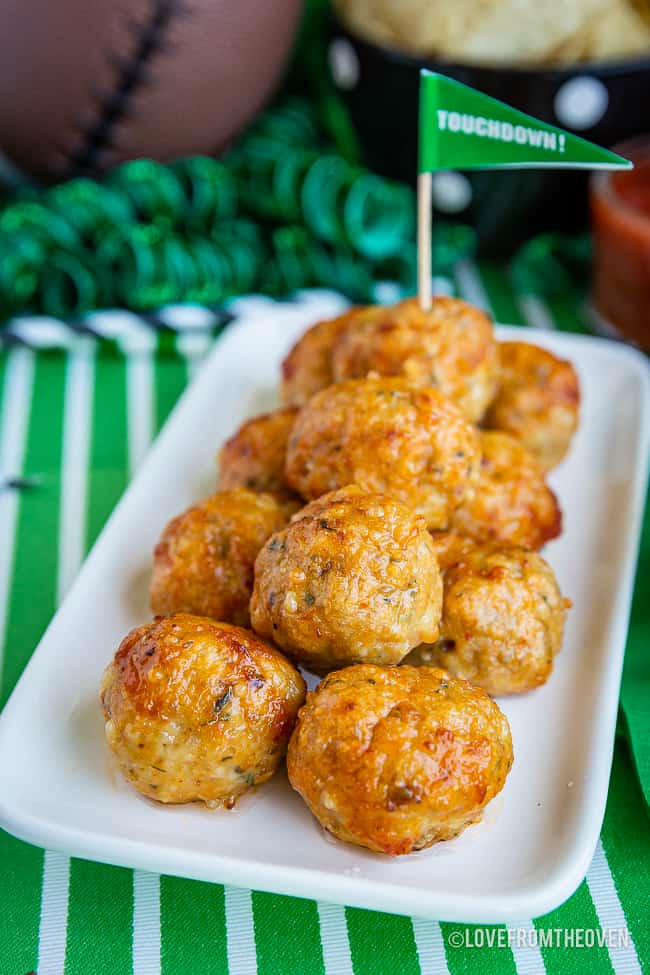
(352, 578)
(254, 457)
(538, 401)
(385, 436)
(512, 504)
(198, 710)
(308, 366)
(204, 560)
(502, 619)
(398, 758)
(451, 347)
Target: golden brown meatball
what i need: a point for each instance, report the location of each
(398, 758)
(451, 347)
(386, 436)
(538, 401)
(449, 547)
(198, 710)
(353, 578)
(502, 620)
(308, 368)
(512, 504)
(254, 457)
(204, 560)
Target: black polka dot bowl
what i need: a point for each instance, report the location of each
(603, 102)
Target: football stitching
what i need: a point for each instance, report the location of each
(132, 75)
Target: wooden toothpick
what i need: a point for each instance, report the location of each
(424, 240)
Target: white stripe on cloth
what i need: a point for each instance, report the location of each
(74, 465)
(535, 312)
(140, 424)
(146, 923)
(240, 932)
(53, 927)
(441, 286)
(14, 417)
(139, 394)
(430, 947)
(72, 533)
(193, 347)
(334, 940)
(138, 343)
(386, 292)
(528, 956)
(600, 882)
(470, 286)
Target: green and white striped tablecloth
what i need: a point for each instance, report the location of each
(75, 425)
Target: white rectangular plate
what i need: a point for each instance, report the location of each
(538, 836)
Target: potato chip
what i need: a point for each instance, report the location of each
(618, 32)
(518, 32)
(503, 31)
(420, 26)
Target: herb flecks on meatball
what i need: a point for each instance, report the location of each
(204, 560)
(502, 621)
(198, 710)
(352, 578)
(538, 401)
(398, 758)
(387, 436)
(451, 346)
(254, 457)
(512, 504)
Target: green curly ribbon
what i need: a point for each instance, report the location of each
(281, 212)
(341, 204)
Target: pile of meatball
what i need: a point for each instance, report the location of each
(381, 530)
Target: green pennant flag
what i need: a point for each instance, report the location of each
(461, 128)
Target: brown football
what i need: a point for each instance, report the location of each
(85, 84)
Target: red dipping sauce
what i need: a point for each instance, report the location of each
(620, 209)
